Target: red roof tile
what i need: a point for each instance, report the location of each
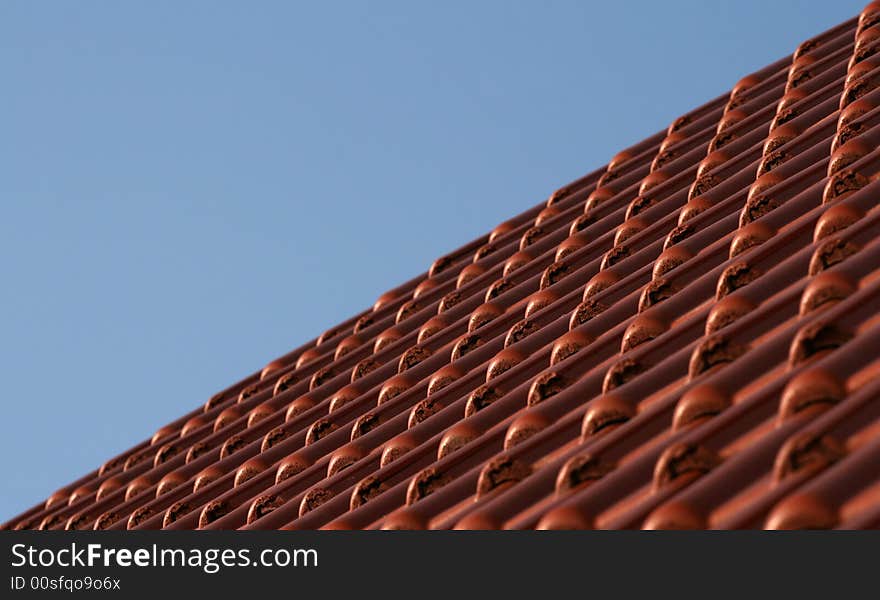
(685, 338)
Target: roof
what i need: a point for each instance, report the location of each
(684, 338)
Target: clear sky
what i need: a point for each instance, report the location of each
(190, 189)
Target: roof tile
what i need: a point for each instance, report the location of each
(685, 338)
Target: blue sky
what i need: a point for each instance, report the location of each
(190, 189)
